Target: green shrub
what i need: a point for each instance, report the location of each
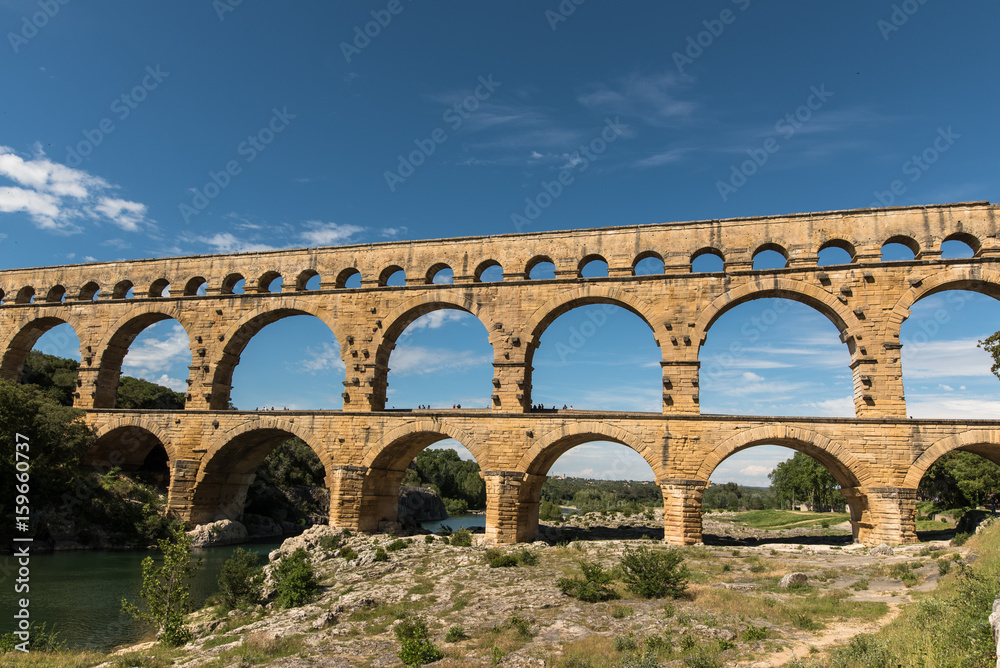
(944, 567)
(592, 588)
(429, 538)
(348, 554)
(654, 573)
(40, 640)
(864, 650)
(417, 648)
(621, 611)
(498, 559)
(960, 539)
(397, 545)
(381, 554)
(549, 511)
(861, 584)
(754, 633)
(455, 634)
(241, 579)
(329, 543)
(462, 538)
(295, 579)
(626, 643)
(527, 557)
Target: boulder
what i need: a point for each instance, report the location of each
(223, 532)
(882, 550)
(421, 504)
(793, 579)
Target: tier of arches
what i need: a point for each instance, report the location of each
(272, 280)
(110, 350)
(216, 488)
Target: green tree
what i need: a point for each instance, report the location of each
(802, 479)
(960, 479)
(166, 590)
(241, 579)
(295, 579)
(137, 393)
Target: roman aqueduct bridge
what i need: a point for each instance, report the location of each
(878, 456)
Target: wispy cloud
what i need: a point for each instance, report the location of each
(945, 359)
(655, 99)
(62, 199)
(324, 358)
(155, 356)
(329, 234)
(418, 360)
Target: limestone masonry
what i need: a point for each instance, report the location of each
(878, 457)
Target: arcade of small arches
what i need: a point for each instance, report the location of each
(878, 456)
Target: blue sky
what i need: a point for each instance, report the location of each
(146, 130)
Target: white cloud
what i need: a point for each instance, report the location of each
(949, 406)
(174, 384)
(324, 358)
(840, 407)
(158, 355)
(945, 359)
(393, 232)
(226, 242)
(652, 98)
(663, 158)
(60, 198)
(750, 376)
(329, 234)
(417, 360)
(756, 470)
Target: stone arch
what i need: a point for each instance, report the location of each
(534, 262)
(483, 266)
(398, 320)
(121, 289)
(17, 345)
(848, 470)
(25, 295)
(264, 282)
(230, 281)
(983, 442)
(157, 287)
(842, 244)
(646, 255)
(779, 287)
(548, 447)
(191, 287)
(137, 434)
(973, 278)
(346, 275)
(388, 272)
(904, 240)
(239, 335)
(587, 259)
(434, 270)
(304, 277)
(89, 291)
(120, 335)
(55, 294)
(707, 250)
(231, 463)
(770, 246)
(969, 240)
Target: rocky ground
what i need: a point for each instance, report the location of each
(736, 612)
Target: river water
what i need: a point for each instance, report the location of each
(79, 594)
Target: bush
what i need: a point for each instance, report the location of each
(455, 634)
(592, 588)
(526, 557)
(626, 643)
(348, 554)
(549, 511)
(241, 579)
(622, 611)
(429, 538)
(498, 559)
(864, 650)
(944, 567)
(381, 555)
(329, 543)
(960, 539)
(417, 648)
(41, 640)
(462, 538)
(754, 633)
(397, 545)
(654, 573)
(295, 579)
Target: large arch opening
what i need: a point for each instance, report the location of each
(281, 360)
(228, 487)
(946, 374)
(776, 356)
(441, 343)
(145, 365)
(595, 354)
(46, 354)
(779, 490)
(136, 451)
(967, 477)
(394, 489)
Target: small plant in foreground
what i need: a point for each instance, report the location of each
(348, 554)
(397, 545)
(165, 590)
(381, 554)
(429, 538)
(241, 579)
(754, 633)
(462, 538)
(861, 584)
(498, 559)
(621, 611)
(944, 567)
(626, 643)
(654, 573)
(455, 634)
(960, 539)
(594, 587)
(295, 579)
(417, 648)
(526, 557)
(329, 543)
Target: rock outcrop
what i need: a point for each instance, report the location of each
(420, 504)
(223, 532)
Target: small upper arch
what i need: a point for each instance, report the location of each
(902, 240)
(435, 270)
(968, 239)
(229, 283)
(535, 262)
(89, 291)
(593, 264)
(388, 273)
(704, 256)
(159, 288)
(346, 275)
(56, 294)
(302, 280)
(266, 280)
(122, 289)
(25, 295)
(651, 261)
(760, 256)
(192, 287)
(829, 250)
(485, 266)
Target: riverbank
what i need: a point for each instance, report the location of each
(736, 612)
